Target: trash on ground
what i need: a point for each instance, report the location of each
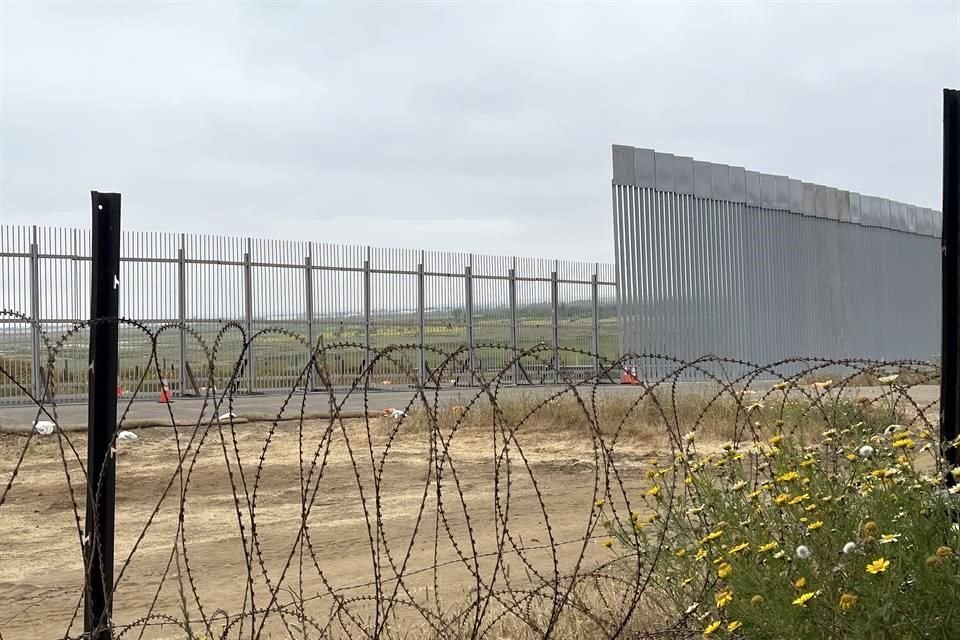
(126, 435)
(44, 427)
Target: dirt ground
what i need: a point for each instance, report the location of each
(547, 486)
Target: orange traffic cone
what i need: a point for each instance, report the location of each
(166, 397)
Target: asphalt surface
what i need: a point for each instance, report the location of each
(261, 407)
(147, 412)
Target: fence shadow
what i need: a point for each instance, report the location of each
(350, 511)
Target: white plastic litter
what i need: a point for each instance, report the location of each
(227, 416)
(397, 414)
(44, 427)
(126, 435)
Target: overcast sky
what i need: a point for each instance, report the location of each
(479, 127)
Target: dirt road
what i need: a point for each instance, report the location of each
(371, 512)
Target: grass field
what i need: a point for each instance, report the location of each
(280, 358)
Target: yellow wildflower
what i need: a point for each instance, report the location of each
(701, 554)
(799, 499)
(848, 601)
(713, 535)
(887, 538)
(811, 507)
(800, 582)
(878, 566)
(654, 490)
(803, 599)
(813, 526)
(775, 440)
(904, 443)
(851, 457)
(782, 498)
(770, 546)
(681, 552)
(789, 476)
(738, 548)
(889, 472)
(599, 503)
(713, 626)
(724, 570)
(734, 625)
(809, 462)
(723, 598)
(753, 495)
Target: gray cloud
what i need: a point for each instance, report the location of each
(475, 127)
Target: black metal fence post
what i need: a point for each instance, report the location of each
(950, 244)
(102, 416)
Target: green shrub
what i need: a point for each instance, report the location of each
(842, 533)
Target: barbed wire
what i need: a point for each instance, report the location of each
(463, 519)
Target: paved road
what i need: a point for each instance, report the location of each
(266, 407)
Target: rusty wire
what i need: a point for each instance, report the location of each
(282, 585)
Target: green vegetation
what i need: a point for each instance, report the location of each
(839, 527)
(279, 358)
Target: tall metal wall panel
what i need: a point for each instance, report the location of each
(714, 259)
